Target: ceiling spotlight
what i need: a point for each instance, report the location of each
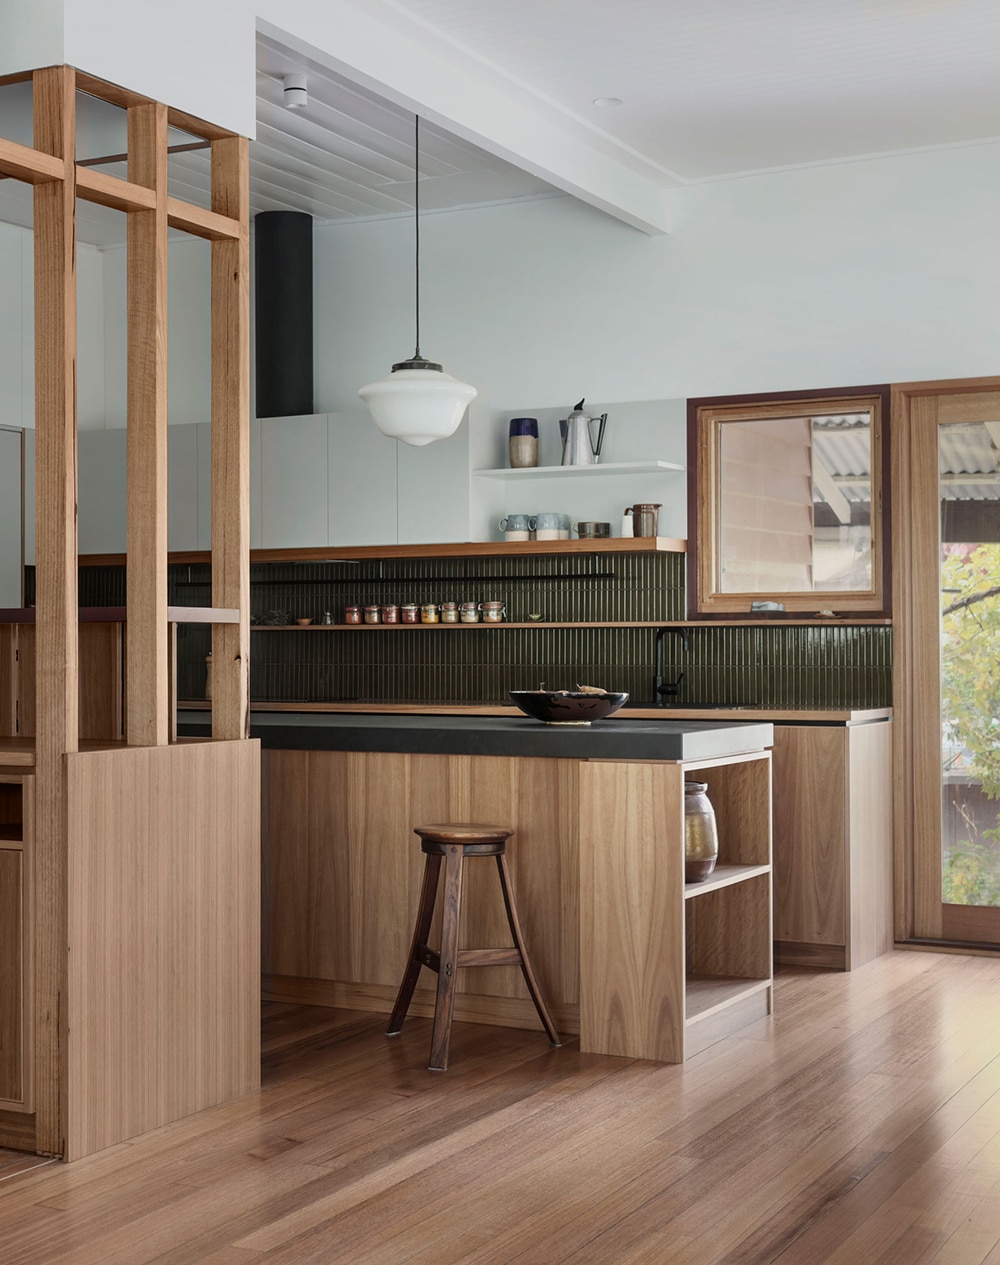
(607, 101)
(295, 91)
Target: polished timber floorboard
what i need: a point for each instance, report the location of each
(858, 1126)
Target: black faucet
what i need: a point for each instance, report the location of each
(666, 689)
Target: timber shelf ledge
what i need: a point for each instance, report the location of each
(454, 549)
(119, 615)
(441, 624)
(710, 995)
(724, 876)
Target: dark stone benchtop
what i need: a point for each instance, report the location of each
(617, 738)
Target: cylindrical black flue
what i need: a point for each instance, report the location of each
(283, 343)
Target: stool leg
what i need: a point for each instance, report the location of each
(444, 1007)
(529, 975)
(425, 912)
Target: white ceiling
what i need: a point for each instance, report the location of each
(712, 88)
(709, 88)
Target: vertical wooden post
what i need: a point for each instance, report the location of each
(148, 715)
(56, 588)
(231, 442)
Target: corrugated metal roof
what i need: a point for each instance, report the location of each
(967, 449)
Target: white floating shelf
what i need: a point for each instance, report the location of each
(556, 472)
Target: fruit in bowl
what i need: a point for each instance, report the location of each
(568, 707)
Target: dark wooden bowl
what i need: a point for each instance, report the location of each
(554, 708)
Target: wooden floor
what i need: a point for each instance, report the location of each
(858, 1126)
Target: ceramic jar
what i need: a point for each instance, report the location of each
(522, 443)
(701, 839)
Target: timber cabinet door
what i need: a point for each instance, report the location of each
(832, 843)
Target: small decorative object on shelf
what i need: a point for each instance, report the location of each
(352, 615)
(701, 839)
(517, 526)
(645, 518)
(327, 617)
(493, 612)
(522, 443)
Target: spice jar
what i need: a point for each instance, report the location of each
(371, 615)
(410, 613)
(352, 615)
(493, 612)
(468, 613)
(390, 614)
(429, 614)
(449, 612)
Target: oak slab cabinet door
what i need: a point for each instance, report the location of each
(832, 843)
(15, 991)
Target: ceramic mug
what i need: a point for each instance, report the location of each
(548, 526)
(517, 526)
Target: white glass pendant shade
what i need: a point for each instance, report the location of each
(417, 402)
(418, 405)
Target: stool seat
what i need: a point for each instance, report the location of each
(464, 832)
(452, 843)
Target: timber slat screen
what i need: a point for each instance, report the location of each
(50, 165)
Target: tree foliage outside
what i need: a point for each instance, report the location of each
(970, 637)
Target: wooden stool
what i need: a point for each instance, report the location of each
(454, 843)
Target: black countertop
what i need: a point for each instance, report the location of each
(617, 738)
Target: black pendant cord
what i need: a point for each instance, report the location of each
(416, 224)
(416, 361)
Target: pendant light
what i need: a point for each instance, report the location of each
(417, 402)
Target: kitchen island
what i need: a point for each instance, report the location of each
(628, 955)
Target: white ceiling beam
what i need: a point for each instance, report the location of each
(425, 74)
(824, 484)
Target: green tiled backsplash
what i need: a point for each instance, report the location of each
(836, 665)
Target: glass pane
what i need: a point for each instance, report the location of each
(969, 490)
(795, 504)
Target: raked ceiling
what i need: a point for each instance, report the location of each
(708, 90)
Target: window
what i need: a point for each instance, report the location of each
(788, 502)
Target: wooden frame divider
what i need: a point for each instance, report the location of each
(68, 900)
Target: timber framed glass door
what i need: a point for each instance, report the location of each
(947, 661)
